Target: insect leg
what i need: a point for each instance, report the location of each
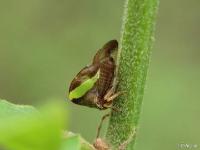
(109, 93)
(112, 97)
(101, 123)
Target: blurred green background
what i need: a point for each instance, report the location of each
(44, 43)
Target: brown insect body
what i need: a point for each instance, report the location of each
(105, 81)
(105, 64)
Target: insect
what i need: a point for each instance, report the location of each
(93, 85)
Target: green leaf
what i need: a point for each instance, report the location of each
(72, 143)
(24, 128)
(75, 142)
(8, 109)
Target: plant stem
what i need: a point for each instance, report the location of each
(133, 62)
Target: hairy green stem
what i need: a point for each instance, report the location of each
(133, 62)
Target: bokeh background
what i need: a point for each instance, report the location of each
(44, 43)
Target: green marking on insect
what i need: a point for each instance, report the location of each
(83, 87)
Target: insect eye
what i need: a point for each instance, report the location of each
(76, 101)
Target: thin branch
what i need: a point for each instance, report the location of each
(133, 61)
